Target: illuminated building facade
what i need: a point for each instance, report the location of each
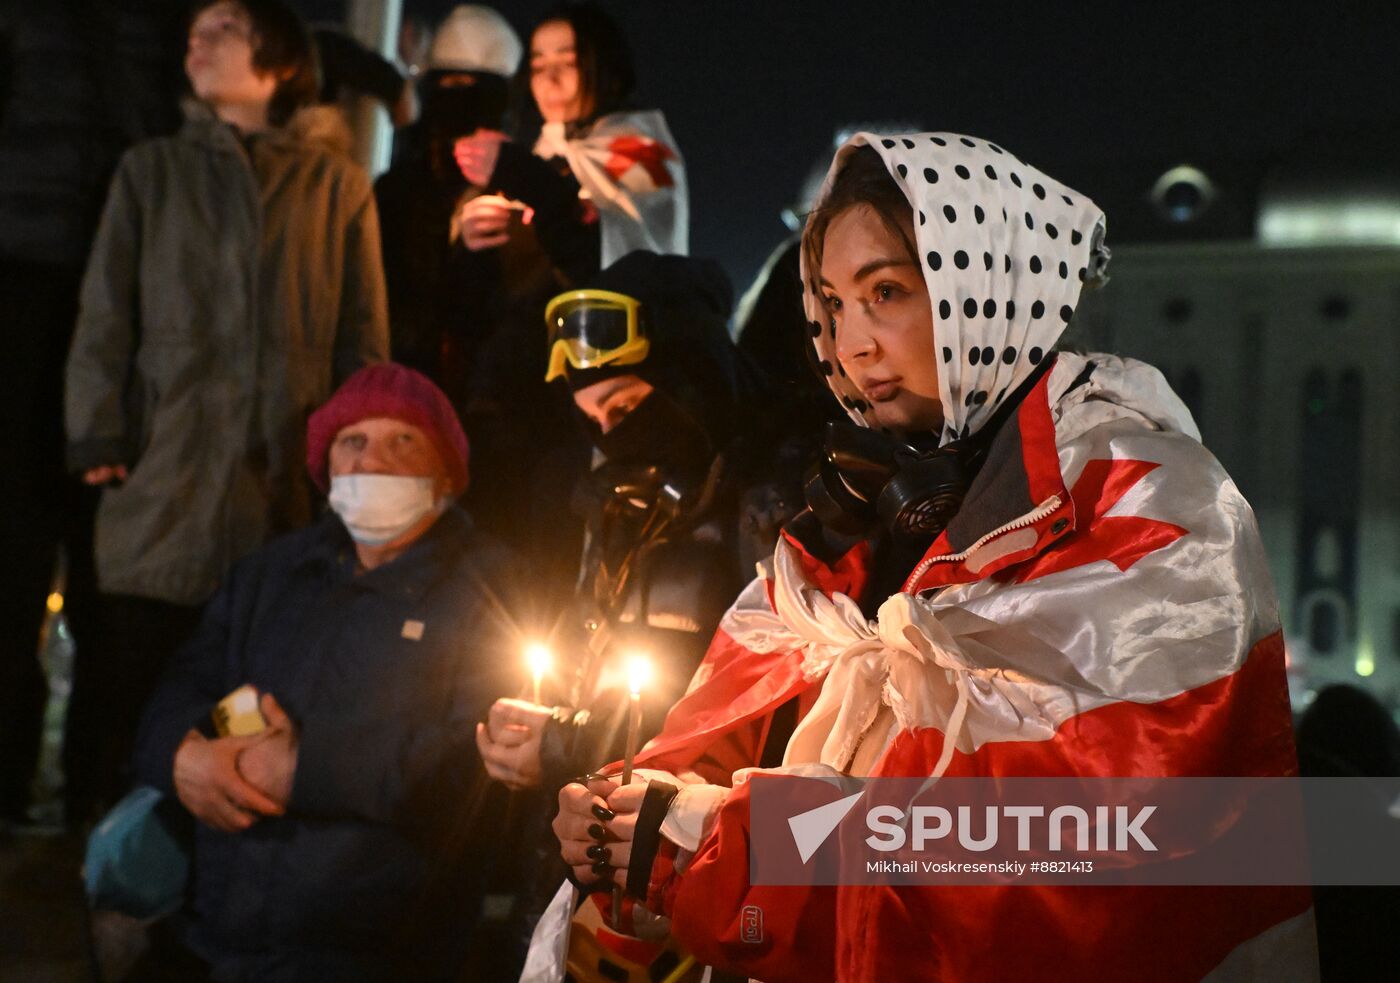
(1286, 347)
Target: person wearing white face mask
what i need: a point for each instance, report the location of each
(370, 639)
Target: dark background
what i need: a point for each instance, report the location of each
(1102, 96)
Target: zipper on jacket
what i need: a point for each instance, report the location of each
(1029, 519)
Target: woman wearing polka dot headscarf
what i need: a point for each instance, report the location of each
(1098, 606)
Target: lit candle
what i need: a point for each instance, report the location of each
(638, 672)
(538, 658)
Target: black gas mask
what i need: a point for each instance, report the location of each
(863, 480)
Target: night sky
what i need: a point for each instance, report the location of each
(754, 89)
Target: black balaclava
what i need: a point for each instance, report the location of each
(700, 379)
(454, 111)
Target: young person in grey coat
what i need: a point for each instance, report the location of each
(235, 280)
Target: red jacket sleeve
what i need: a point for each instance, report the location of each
(776, 934)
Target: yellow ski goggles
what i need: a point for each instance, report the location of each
(589, 328)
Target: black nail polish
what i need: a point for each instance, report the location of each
(599, 852)
(603, 813)
(601, 867)
(597, 832)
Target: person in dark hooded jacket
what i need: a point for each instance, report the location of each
(667, 402)
(334, 841)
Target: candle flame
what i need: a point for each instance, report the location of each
(638, 673)
(539, 658)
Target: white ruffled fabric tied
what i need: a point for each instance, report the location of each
(890, 661)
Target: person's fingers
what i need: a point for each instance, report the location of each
(247, 797)
(507, 709)
(478, 243)
(497, 718)
(239, 820)
(600, 791)
(498, 773)
(225, 815)
(273, 713)
(574, 797)
(500, 752)
(602, 787)
(214, 816)
(500, 770)
(490, 751)
(489, 201)
(233, 745)
(488, 205)
(521, 757)
(520, 712)
(623, 826)
(628, 798)
(506, 764)
(587, 851)
(484, 235)
(576, 819)
(513, 735)
(585, 875)
(488, 221)
(496, 767)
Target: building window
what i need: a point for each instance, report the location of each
(1335, 307)
(1177, 310)
(1328, 517)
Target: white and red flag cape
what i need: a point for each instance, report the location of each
(628, 166)
(1100, 607)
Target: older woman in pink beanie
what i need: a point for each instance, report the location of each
(372, 641)
(391, 454)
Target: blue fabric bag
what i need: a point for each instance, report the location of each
(138, 857)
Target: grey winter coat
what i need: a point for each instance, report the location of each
(232, 285)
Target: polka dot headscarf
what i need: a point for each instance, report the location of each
(1005, 251)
